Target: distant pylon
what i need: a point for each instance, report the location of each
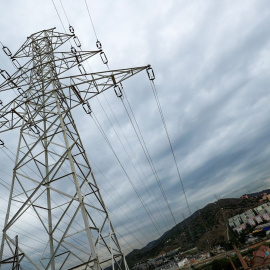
(53, 186)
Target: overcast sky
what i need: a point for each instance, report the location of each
(211, 60)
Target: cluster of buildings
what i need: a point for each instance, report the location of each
(199, 257)
(261, 259)
(174, 260)
(168, 259)
(252, 217)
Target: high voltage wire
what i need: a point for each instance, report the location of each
(59, 16)
(145, 177)
(115, 190)
(91, 19)
(145, 149)
(149, 157)
(163, 193)
(161, 188)
(146, 188)
(64, 11)
(169, 140)
(131, 182)
(136, 191)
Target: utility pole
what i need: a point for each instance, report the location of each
(53, 185)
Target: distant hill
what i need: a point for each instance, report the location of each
(260, 193)
(203, 229)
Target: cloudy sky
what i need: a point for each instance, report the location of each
(211, 61)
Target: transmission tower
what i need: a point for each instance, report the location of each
(53, 186)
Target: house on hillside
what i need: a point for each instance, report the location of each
(261, 258)
(259, 210)
(240, 228)
(258, 219)
(266, 217)
(205, 255)
(183, 263)
(266, 207)
(235, 221)
(251, 222)
(265, 197)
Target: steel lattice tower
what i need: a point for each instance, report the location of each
(53, 185)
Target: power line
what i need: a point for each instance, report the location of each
(136, 191)
(169, 140)
(161, 188)
(59, 16)
(64, 11)
(149, 157)
(91, 19)
(128, 143)
(145, 149)
(126, 204)
(146, 188)
(131, 182)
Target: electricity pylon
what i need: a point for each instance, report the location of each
(53, 186)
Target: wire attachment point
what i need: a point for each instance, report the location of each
(16, 63)
(2, 144)
(78, 58)
(118, 90)
(73, 50)
(33, 128)
(19, 89)
(7, 51)
(82, 69)
(77, 41)
(103, 58)
(86, 107)
(5, 75)
(99, 45)
(151, 74)
(71, 29)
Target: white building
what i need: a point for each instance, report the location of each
(249, 214)
(182, 263)
(231, 224)
(238, 229)
(266, 207)
(266, 217)
(258, 219)
(243, 217)
(251, 222)
(259, 210)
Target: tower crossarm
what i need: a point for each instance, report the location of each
(63, 61)
(76, 90)
(92, 84)
(56, 39)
